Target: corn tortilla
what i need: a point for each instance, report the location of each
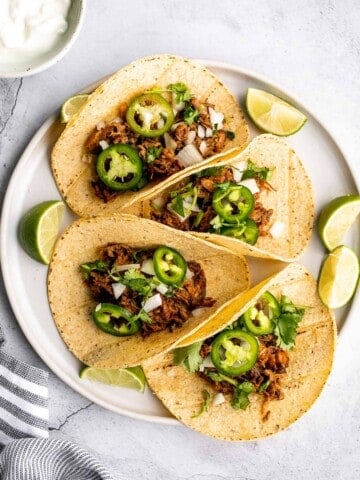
(292, 199)
(309, 367)
(71, 302)
(73, 176)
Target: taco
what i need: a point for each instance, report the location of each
(122, 289)
(256, 368)
(258, 202)
(149, 121)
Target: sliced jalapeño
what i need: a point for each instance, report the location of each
(115, 320)
(246, 231)
(169, 265)
(119, 167)
(259, 318)
(150, 115)
(234, 352)
(233, 204)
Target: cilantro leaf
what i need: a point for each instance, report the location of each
(152, 153)
(286, 323)
(177, 205)
(230, 135)
(143, 316)
(205, 405)
(189, 357)
(137, 282)
(252, 171)
(181, 92)
(215, 376)
(241, 394)
(190, 114)
(209, 172)
(98, 266)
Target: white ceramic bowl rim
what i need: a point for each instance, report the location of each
(76, 18)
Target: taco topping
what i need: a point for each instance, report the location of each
(223, 200)
(250, 356)
(144, 291)
(168, 130)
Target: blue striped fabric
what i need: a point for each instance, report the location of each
(23, 414)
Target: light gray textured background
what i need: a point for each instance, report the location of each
(312, 48)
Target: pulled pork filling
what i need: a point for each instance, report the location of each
(200, 217)
(177, 302)
(267, 372)
(164, 155)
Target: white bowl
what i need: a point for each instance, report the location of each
(45, 60)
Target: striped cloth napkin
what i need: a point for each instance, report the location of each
(23, 414)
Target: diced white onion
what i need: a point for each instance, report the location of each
(218, 399)
(160, 123)
(118, 289)
(208, 362)
(100, 125)
(208, 132)
(87, 158)
(188, 203)
(198, 311)
(153, 302)
(203, 147)
(98, 306)
(117, 120)
(241, 165)
(216, 118)
(175, 125)
(191, 137)
(251, 184)
(189, 155)
(169, 142)
(277, 229)
(158, 203)
(201, 131)
(162, 288)
(122, 268)
(180, 217)
(189, 274)
(148, 266)
(177, 107)
(103, 144)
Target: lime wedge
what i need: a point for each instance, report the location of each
(338, 277)
(272, 114)
(39, 228)
(71, 106)
(131, 377)
(336, 218)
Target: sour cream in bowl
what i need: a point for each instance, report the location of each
(35, 34)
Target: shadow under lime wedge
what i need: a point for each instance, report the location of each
(336, 218)
(272, 114)
(38, 229)
(71, 106)
(339, 277)
(131, 377)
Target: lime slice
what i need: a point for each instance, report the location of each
(71, 106)
(338, 277)
(132, 377)
(38, 229)
(272, 114)
(336, 219)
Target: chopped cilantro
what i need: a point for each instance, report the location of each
(286, 323)
(143, 316)
(205, 405)
(215, 130)
(152, 153)
(190, 114)
(189, 357)
(177, 205)
(223, 186)
(241, 393)
(264, 386)
(263, 173)
(215, 376)
(181, 92)
(230, 135)
(137, 282)
(98, 266)
(209, 172)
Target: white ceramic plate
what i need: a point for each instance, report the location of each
(25, 279)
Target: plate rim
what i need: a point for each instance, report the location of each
(5, 212)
